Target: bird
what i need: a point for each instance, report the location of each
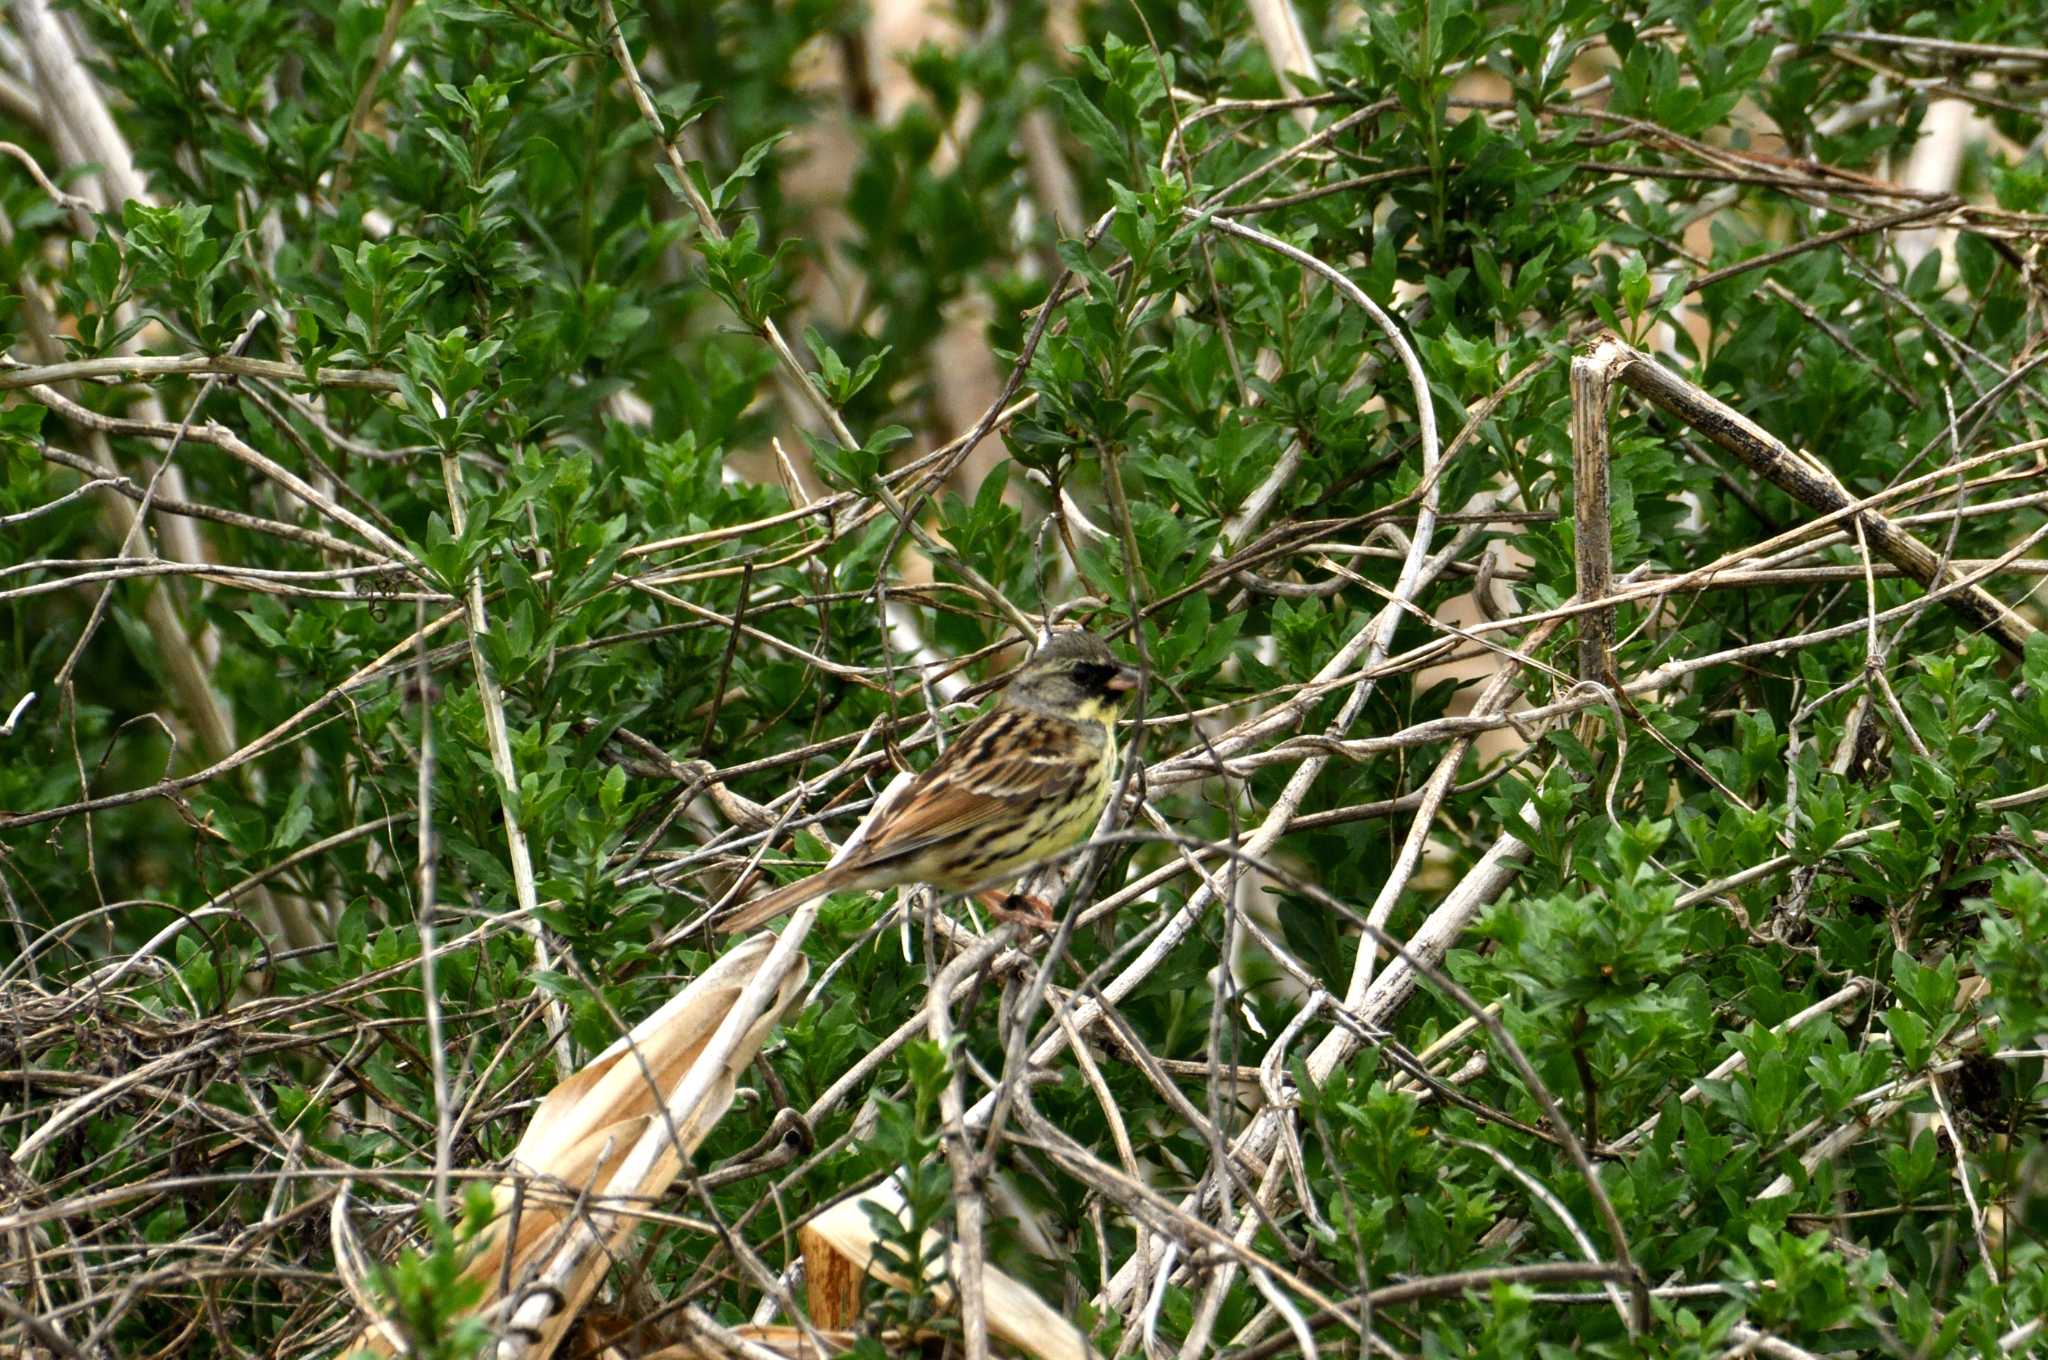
(1020, 784)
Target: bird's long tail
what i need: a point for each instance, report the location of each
(786, 898)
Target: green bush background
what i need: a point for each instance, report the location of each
(578, 407)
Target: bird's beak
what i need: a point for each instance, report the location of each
(1125, 679)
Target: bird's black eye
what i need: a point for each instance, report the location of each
(1092, 675)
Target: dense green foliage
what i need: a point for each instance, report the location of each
(574, 405)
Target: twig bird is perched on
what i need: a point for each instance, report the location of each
(1024, 782)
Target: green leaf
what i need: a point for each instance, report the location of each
(1087, 122)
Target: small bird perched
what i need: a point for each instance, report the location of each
(1025, 781)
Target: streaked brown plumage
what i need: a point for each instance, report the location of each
(1025, 781)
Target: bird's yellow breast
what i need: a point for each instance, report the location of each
(1103, 711)
(1052, 826)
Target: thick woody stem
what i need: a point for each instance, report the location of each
(1801, 476)
(1593, 536)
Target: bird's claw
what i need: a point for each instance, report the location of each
(1020, 909)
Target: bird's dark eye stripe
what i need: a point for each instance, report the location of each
(1093, 674)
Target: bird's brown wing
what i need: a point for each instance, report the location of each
(996, 771)
(1002, 765)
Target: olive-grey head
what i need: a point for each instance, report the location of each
(1074, 675)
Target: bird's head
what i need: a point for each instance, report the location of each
(1074, 675)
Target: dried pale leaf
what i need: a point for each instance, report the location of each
(615, 1084)
(572, 1269)
(783, 1340)
(608, 1104)
(831, 1281)
(590, 1137)
(549, 1202)
(1015, 1314)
